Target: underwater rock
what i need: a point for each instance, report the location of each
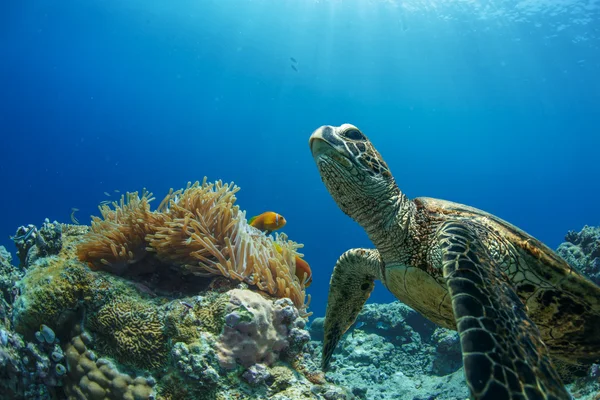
(582, 251)
(396, 321)
(374, 367)
(93, 335)
(388, 326)
(317, 328)
(448, 357)
(382, 357)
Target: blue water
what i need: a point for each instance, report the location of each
(492, 104)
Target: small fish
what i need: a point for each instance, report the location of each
(117, 191)
(25, 236)
(294, 68)
(144, 289)
(106, 193)
(267, 222)
(73, 219)
(292, 59)
(186, 304)
(104, 202)
(302, 267)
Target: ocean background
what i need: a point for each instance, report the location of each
(491, 104)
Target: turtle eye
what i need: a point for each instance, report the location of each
(354, 134)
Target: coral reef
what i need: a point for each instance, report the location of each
(379, 367)
(426, 349)
(582, 251)
(447, 350)
(198, 230)
(392, 352)
(71, 332)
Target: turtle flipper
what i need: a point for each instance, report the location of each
(503, 354)
(351, 285)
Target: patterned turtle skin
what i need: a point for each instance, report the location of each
(515, 304)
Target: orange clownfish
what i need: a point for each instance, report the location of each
(267, 222)
(302, 267)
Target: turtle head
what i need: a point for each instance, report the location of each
(355, 174)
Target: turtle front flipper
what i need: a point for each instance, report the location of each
(351, 285)
(503, 354)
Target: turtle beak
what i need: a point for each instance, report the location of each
(318, 140)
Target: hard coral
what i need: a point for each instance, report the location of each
(185, 320)
(197, 361)
(133, 332)
(50, 294)
(200, 231)
(258, 330)
(89, 378)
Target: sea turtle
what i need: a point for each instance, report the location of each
(515, 304)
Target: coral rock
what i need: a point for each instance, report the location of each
(582, 251)
(257, 330)
(133, 332)
(100, 380)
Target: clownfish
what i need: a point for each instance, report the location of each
(267, 222)
(302, 267)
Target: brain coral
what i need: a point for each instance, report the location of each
(132, 332)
